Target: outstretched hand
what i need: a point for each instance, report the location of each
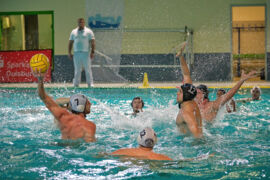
(181, 50)
(38, 74)
(251, 74)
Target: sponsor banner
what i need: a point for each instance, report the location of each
(14, 66)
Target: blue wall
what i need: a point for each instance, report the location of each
(206, 67)
(212, 67)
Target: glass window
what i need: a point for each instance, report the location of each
(26, 31)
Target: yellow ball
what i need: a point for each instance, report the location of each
(40, 62)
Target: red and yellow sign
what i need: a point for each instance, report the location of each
(14, 66)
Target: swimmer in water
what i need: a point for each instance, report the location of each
(255, 95)
(209, 109)
(189, 117)
(137, 104)
(231, 105)
(146, 140)
(72, 125)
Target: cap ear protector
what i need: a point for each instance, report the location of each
(139, 99)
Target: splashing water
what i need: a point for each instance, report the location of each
(31, 146)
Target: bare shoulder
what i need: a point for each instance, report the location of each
(156, 156)
(191, 106)
(123, 151)
(90, 124)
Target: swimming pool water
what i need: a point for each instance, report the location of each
(31, 147)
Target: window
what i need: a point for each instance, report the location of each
(26, 31)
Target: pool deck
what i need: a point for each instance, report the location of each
(165, 85)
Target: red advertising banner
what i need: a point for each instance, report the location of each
(14, 66)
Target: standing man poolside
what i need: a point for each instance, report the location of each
(189, 117)
(72, 125)
(209, 109)
(83, 38)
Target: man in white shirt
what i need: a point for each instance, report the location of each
(83, 38)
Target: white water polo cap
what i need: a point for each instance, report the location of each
(147, 137)
(78, 102)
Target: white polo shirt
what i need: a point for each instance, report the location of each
(81, 39)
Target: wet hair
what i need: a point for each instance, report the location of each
(204, 89)
(135, 99)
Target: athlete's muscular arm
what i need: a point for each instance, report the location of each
(62, 102)
(184, 67)
(226, 97)
(56, 110)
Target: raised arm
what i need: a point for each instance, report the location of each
(226, 97)
(183, 64)
(53, 107)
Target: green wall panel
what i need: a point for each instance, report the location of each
(210, 20)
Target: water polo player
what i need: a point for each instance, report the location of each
(209, 109)
(146, 140)
(189, 118)
(137, 104)
(72, 125)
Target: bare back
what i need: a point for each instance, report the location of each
(75, 126)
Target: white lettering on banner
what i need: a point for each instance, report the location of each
(18, 74)
(11, 65)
